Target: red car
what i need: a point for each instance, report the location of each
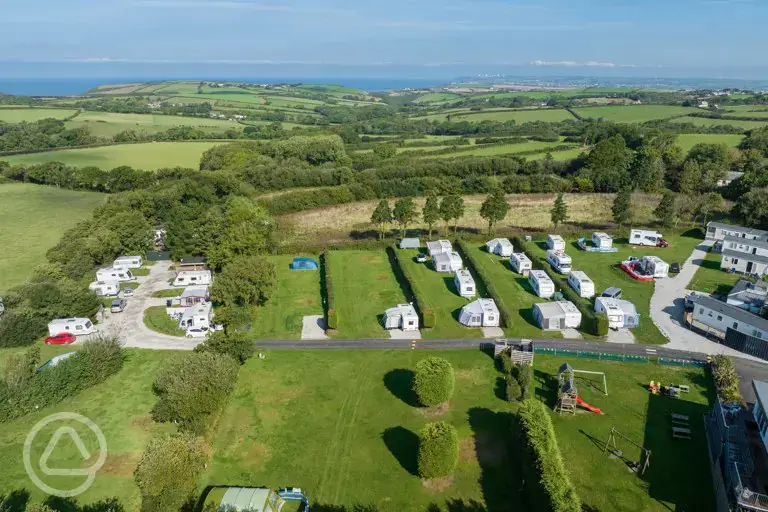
(662, 243)
(63, 338)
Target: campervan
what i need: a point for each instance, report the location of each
(114, 274)
(649, 238)
(559, 261)
(76, 326)
(196, 316)
(556, 243)
(465, 284)
(542, 285)
(128, 262)
(193, 278)
(105, 288)
(581, 284)
(520, 263)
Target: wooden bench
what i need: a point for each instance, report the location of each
(681, 433)
(679, 418)
(680, 436)
(683, 388)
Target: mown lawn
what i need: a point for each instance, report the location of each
(157, 319)
(364, 287)
(297, 295)
(710, 278)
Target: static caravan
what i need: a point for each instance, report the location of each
(581, 284)
(196, 316)
(447, 262)
(602, 240)
(402, 316)
(193, 295)
(76, 326)
(620, 313)
(193, 278)
(114, 274)
(128, 262)
(465, 284)
(105, 288)
(654, 266)
(439, 247)
(500, 246)
(643, 237)
(556, 243)
(559, 261)
(554, 316)
(480, 313)
(520, 263)
(542, 285)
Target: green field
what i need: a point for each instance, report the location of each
(32, 220)
(505, 149)
(30, 115)
(297, 295)
(633, 113)
(148, 156)
(157, 319)
(688, 140)
(706, 121)
(549, 115)
(710, 278)
(364, 287)
(561, 156)
(108, 124)
(747, 111)
(437, 97)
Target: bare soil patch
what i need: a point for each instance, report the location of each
(441, 484)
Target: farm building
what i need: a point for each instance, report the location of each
(730, 177)
(128, 262)
(554, 316)
(447, 262)
(410, 243)
(621, 313)
(303, 264)
(194, 295)
(520, 263)
(465, 284)
(193, 263)
(500, 246)
(542, 285)
(114, 274)
(402, 316)
(77, 326)
(196, 316)
(718, 231)
(581, 284)
(439, 247)
(480, 313)
(556, 243)
(105, 288)
(193, 277)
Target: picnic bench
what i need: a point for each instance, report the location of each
(683, 388)
(681, 433)
(680, 419)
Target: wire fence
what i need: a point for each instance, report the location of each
(626, 358)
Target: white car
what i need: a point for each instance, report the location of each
(197, 332)
(127, 292)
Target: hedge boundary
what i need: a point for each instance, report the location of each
(331, 316)
(479, 270)
(427, 312)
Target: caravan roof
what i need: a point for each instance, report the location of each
(439, 246)
(195, 291)
(202, 309)
(465, 278)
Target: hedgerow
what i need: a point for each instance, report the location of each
(428, 315)
(331, 316)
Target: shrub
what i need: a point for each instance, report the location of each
(514, 393)
(428, 315)
(601, 324)
(504, 310)
(504, 363)
(550, 481)
(19, 329)
(433, 381)
(232, 343)
(523, 374)
(726, 378)
(331, 316)
(438, 450)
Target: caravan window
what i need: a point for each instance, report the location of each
(490, 319)
(410, 323)
(78, 327)
(88, 324)
(470, 289)
(475, 318)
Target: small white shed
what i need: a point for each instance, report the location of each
(554, 316)
(556, 243)
(447, 262)
(105, 288)
(542, 285)
(193, 278)
(465, 284)
(402, 316)
(480, 313)
(196, 316)
(520, 263)
(128, 262)
(581, 284)
(501, 246)
(602, 240)
(439, 247)
(76, 326)
(410, 243)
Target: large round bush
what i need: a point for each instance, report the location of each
(433, 381)
(438, 450)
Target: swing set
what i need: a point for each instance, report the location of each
(637, 467)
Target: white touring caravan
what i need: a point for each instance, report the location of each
(602, 240)
(105, 288)
(465, 284)
(643, 237)
(500, 246)
(76, 326)
(559, 261)
(581, 284)
(128, 262)
(196, 316)
(654, 266)
(114, 274)
(620, 313)
(480, 313)
(193, 278)
(542, 285)
(556, 243)
(520, 263)
(447, 261)
(402, 316)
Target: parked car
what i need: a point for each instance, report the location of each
(197, 332)
(674, 268)
(612, 293)
(63, 338)
(127, 292)
(118, 305)
(421, 257)
(662, 243)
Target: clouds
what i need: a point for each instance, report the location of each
(574, 64)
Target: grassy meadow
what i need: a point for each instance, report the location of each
(108, 124)
(633, 113)
(709, 278)
(706, 121)
(32, 220)
(548, 115)
(505, 149)
(688, 140)
(30, 115)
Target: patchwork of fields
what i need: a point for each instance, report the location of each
(108, 124)
(520, 116)
(634, 113)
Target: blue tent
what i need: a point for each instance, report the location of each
(303, 264)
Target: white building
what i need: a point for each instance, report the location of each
(114, 274)
(717, 318)
(465, 284)
(645, 237)
(654, 266)
(760, 408)
(559, 261)
(581, 284)
(402, 316)
(128, 262)
(750, 296)
(480, 313)
(542, 285)
(105, 288)
(447, 262)
(621, 313)
(718, 231)
(196, 316)
(76, 326)
(439, 247)
(602, 240)
(501, 246)
(554, 316)
(556, 243)
(193, 277)
(520, 263)
(744, 255)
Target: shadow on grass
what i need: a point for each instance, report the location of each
(449, 283)
(546, 387)
(709, 264)
(399, 382)
(693, 233)
(500, 388)
(405, 286)
(403, 445)
(459, 505)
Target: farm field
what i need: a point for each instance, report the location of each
(747, 111)
(437, 97)
(121, 408)
(688, 140)
(108, 124)
(710, 278)
(548, 115)
(297, 295)
(504, 149)
(604, 270)
(706, 121)
(30, 115)
(633, 113)
(364, 287)
(568, 154)
(148, 156)
(27, 226)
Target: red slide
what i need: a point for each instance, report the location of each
(587, 406)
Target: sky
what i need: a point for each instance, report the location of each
(477, 35)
